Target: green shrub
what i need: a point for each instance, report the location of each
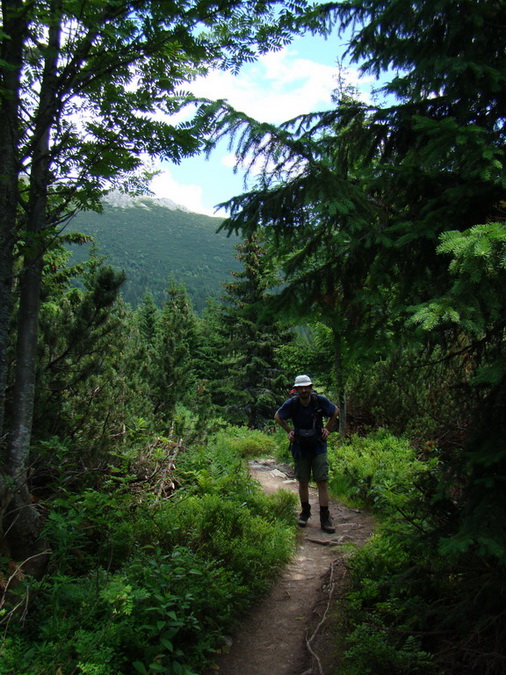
(394, 581)
(250, 442)
(228, 532)
(373, 652)
(141, 583)
(143, 614)
(388, 606)
(276, 507)
(282, 452)
(377, 471)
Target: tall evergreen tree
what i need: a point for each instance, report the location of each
(251, 383)
(161, 355)
(178, 337)
(80, 329)
(359, 197)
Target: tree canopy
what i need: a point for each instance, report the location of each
(357, 200)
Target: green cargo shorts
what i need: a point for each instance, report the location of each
(318, 465)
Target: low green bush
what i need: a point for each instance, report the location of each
(250, 442)
(247, 544)
(393, 581)
(144, 583)
(395, 588)
(276, 507)
(282, 452)
(374, 653)
(422, 598)
(156, 614)
(378, 471)
(90, 527)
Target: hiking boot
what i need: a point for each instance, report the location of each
(326, 522)
(304, 516)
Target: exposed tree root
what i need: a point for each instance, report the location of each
(310, 639)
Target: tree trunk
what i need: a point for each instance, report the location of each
(340, 381)
(24, 527)
(342, 415)
(11, 49)
(24, 520)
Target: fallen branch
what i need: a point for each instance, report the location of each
(331, 542)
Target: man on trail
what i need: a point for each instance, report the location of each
(308, 440)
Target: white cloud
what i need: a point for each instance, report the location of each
(188, 195)
(277, 87)
(229, 160)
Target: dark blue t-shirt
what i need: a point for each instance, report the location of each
(305, 417)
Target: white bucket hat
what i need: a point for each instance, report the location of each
(302, 381)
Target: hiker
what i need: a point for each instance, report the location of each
(308, 441)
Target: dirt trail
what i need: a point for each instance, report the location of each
(286, 633)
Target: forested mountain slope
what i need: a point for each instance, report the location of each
(154, 239)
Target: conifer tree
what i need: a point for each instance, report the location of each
(147, 318)
(355, 199)
(142, 358)
(252, 383)
(178, 336)
(80, 337)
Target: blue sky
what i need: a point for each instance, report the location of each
(298, 79)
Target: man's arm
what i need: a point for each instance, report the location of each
(330, 424)
(282, 423)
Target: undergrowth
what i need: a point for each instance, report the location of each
(147, 574)
(423, 599)
(378, 471)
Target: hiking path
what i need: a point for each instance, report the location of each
(292, 630)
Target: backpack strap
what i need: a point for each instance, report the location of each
(315, 406)
(315, 402)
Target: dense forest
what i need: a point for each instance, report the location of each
(152, 243)
(371, 254)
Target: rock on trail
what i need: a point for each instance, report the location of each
(285, 633)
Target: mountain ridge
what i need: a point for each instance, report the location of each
(124, 200)
(153, 240)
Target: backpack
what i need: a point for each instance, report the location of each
(309, 438)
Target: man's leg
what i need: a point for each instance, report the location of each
(305, 514)
(304, 492)
(323, 497)
(323, 493)
(303, 476)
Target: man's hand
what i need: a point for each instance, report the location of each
(291, 436)
(325, 433)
